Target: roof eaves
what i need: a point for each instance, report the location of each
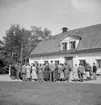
(54, 53)
(89, 50)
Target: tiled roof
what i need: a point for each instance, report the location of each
(90, 39)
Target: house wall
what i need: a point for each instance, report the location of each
(88, 57)
(46, 58)
(49, 58)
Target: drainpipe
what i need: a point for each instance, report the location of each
(76, 56)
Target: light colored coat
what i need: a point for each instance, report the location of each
(34, 75)
(28, 71)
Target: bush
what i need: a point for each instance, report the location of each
(4, 70)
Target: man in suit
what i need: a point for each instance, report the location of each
(52, 68)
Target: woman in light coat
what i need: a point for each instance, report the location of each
(75, 73)
(34, 74)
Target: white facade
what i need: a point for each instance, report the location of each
(90, 58)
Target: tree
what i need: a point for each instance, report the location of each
(13, 41)
(19, 39)
(37, 35)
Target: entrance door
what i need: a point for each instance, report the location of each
(69, 61)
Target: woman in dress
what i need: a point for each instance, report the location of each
(46, 72)
(75, 73)
(28, 72)
(56, 74)
(40, 73)
(13, 71)
(94, 71)
(24, 72)
(66, 72)
(87, 71)
(61, 73)
(34, 74)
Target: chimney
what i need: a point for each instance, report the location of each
(64, 29)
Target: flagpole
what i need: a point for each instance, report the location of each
(21, 52)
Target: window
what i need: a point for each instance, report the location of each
(56, 61)
(99, 63)
(83, 62)
(45, 62)
(64, 45)
(72, 45)
(36, 62)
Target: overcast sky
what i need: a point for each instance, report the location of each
(51, 14)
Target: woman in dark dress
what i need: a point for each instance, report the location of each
(56, 73)
(66, 72)
(13, 72)
(94, 71)
(46, 72)
(40, 73)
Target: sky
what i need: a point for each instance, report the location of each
(51, 14)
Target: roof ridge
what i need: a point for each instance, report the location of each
(78, 28)
(85, 27)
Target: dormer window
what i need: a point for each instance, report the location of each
(69, 43)
(72, 45)
(64, 44)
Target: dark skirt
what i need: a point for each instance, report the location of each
(66, 74)
(56, 75)
(46, 74)
(13, 72)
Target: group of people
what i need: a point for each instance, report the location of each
(85, 72)
(52, 72)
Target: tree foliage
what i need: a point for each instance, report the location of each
(19, 39)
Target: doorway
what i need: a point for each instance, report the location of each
(69, 61)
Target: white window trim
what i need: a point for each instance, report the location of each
(68, 43)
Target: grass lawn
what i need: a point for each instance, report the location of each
(30, 93)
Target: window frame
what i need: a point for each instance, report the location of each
(98, 65)
(57, 61)
(46, 61)
(71, 45)
(64, 45)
